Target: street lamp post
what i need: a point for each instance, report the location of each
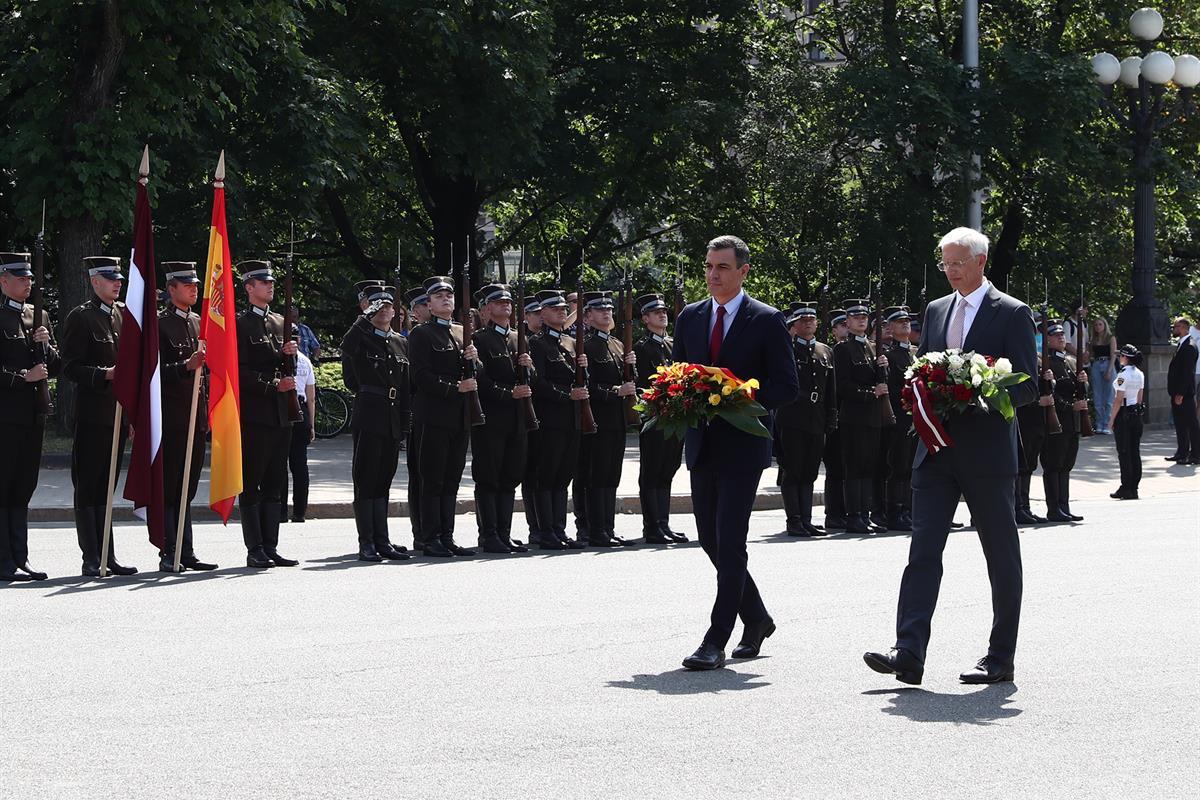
(1144, 78)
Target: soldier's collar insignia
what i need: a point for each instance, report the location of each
(1060, 353)
(262, 312)
(601, 335)
(105, 307)
(441, 321)
(500, 329)
(657, 338)
(554, 333)
(862, 339)
(182, 313)
(905, 345)
(10, 303)
(380, 332)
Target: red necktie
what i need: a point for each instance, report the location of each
(718, 334)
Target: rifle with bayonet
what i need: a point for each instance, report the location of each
(1081, 389)
(527, 411)
(45, 404)
(472, 409)
(886, 415)
(587, 422)
(632, 417)
(1045, 387)
(289, 362)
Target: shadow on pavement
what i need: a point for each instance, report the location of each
(982, 707)
(682, 681)
(74, 584)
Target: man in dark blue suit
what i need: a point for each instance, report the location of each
(733, 330)
(980, 467)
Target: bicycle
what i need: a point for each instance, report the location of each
(333, 412)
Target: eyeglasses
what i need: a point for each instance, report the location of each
(945, 265)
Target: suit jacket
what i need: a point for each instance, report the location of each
(757, 346)
(984, 444)
(1181, 371)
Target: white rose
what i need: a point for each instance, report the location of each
(935, 357)
(976, 379)
(908, 373)
(1003, 366)
(978, 360)
(955, 361)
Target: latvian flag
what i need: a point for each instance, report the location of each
(136, 380)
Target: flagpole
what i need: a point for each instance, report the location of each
(112, 488)
(184, 500)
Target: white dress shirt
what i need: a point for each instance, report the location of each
(974, 300)
(305, 376)
(731, 309)
(1129, 381)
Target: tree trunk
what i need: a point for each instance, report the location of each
(1004, 252)
(79, 237)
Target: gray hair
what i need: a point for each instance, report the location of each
(969, 238)
(741, 253)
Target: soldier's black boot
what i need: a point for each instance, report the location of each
(89, 543)
(166, 558)
(1050, 484)
(559, 498)
(114, 567)
(532, 523)
(579, 500)
(505, 501)
(835, 504)
(449, 503)
(8, 567)
(610, 517)
(364, 523)
(489, 526)
(790, 493)
(256, 556)
(431, 527)
(383, 540)
(868, 501)
(1021, 502)
(651, 531)
(1064, 495)
(189, 559)
(597, 528)
(876, 502)
(18, 520)
(856, 518)
(663, 495)
(895, 506)
(1026, 480)
(543, 500)
(806, 505)
(271, 514)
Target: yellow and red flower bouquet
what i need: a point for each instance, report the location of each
(683, 396)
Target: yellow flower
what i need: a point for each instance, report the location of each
(727, 389)
(714, 399)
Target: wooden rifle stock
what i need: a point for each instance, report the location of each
(587, 422)
(632, 417)
(289, 362)
(528, 413)
(472, 409)
(1044, 387)
(1081, 389)
(45, 404)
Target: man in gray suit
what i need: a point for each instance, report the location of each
(980, 468)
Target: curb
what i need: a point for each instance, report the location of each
(628, 504)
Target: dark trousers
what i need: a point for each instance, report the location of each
(174, 451)
(498, 457)
(1187, 427)
(18, 480)
(376, 457)
(297, 464)
(937, 486)
(798, 453)
(557, 459)
(264, 459)
(441, 457)
(89, 462)
(1059, 452)
(659, 460)
(860, 451)
(721, 503)
(1127, 434)
(414, 483)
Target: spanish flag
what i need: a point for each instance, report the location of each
(218, 329)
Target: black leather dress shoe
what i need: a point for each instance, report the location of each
(367, 552)
(32, 573)
(15, 576)
(753, 637)
(956, 526)
(281, 561)
(435, 549)
(815, 530)
(1057, 516)
(1025, 518)
(1175, 458)
(707, 656)
(550, 543)
(191, 562)
(257, 559)
(899, 662)
(675, 536)
(166, 564)
(988, 670)
(392, 553)
(602, 541)
(856, 525)
(656, 537)
(120, 569)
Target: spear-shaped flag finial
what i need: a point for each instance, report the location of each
(219, 174)
(144, 168)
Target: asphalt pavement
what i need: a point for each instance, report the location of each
(557, 675)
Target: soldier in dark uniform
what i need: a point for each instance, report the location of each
(180, 355)
(878, 510)
(266, 424)
(89, 354)
(22, 422)
(1031, 427)
(418, 306)
(498, 449)
(440, 435)
(914, 331)
(902, 446)
(800, 427)
(835, 466)
(363, 292)
(533, 326)
(554, 396)
(375, 367)
(859, 423)
(602, 454)
(1060, 450)
(660, 456)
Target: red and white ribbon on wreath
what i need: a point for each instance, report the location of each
(928, 426)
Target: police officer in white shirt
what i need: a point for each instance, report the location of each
(303, 432)
(1126, 421)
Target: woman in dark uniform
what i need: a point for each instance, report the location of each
(377, 359)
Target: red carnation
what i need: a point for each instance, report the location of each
(674, 389)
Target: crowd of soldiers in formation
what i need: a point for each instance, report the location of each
(417, 394)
